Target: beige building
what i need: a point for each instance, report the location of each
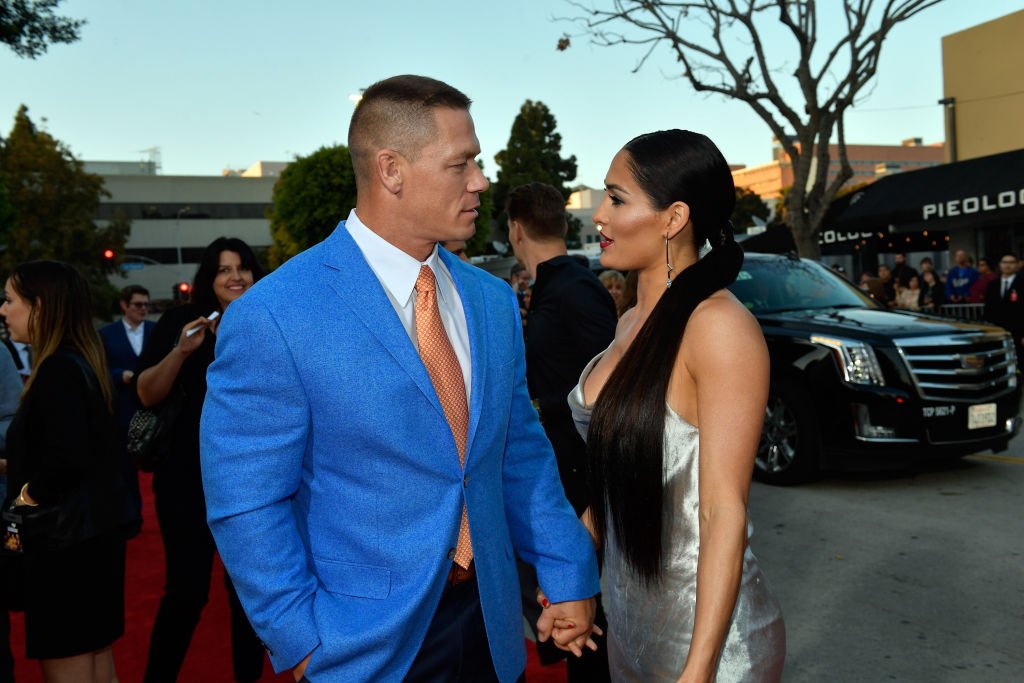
(174, 217)
(983, 87)
(869, 163)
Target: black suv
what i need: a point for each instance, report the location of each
(854, 383)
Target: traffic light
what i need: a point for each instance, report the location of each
(181, 291)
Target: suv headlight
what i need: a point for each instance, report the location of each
(857, 360)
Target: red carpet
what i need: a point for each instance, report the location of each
(209, 658)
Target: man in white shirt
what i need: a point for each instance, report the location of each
(371, 459)
(123, 341)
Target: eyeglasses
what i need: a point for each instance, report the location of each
(139, 304)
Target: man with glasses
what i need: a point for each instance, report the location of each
(123, 341)
(1004, 300)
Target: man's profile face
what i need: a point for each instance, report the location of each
(442, 187)
(136, 309)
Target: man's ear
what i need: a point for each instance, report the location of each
(123, 305)
(678, 217)
(388, 165)
(515, 231)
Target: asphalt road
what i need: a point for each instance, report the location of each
(909, 575)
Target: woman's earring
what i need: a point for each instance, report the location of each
(668, 264)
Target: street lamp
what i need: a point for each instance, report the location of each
(177, 234)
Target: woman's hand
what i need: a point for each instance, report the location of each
(189, 343)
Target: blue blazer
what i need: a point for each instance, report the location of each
(333, 485)
(121, 357)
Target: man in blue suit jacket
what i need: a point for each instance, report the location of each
(123, 341)
(332, 477)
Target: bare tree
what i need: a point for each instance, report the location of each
(721, 47)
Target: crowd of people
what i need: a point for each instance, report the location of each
(967, 282)
(393, 481)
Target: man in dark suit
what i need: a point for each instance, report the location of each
(123, 341)
(1004, 300)
(570, 320)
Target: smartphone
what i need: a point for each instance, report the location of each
(213, 316)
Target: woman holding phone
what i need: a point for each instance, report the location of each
(175, 359)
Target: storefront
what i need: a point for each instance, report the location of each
(976, 205)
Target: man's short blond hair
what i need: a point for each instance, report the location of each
(398, 113)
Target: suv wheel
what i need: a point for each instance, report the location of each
(789, 447)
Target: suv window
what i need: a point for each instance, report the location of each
(774, 285)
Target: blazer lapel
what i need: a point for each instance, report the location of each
(476, 322)
(357, 286)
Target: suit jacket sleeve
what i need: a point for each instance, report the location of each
(58, 423)
(10, 395)
(253, 436)
(545, 530)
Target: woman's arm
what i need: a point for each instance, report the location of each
(588, 521)
(725, 354)
(156, 381)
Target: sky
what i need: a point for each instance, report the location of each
(220, 84)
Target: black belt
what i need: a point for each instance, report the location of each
(457, 575)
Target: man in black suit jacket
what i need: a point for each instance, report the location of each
(1004, 300)
(123, 341)
(571, 319)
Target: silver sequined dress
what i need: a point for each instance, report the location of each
(649, 630)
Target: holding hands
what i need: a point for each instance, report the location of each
(570, 623)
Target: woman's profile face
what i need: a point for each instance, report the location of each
(232, 280)
(17, 312)
(632, 234)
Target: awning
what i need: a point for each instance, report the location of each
(973, 193)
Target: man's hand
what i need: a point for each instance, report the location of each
(569, 623)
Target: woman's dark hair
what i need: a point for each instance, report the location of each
(61, 316)
(202, 284)
(627, 429)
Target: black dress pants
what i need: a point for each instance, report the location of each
(189, 549)
(455, 649)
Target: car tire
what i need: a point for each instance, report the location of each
(790, 445)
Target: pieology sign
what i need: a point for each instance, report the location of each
(968, 205)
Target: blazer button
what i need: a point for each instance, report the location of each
(465, 482)
(451, 554)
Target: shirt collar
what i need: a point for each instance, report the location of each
(396, 270)
(128, 325)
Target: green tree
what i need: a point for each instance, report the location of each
(54, 202)
(748, 205)
(29, 26)
(534, 154)
(480, 241)
(721, 47)
(310, 197)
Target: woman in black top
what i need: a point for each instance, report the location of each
(173, 361)
(61, 452)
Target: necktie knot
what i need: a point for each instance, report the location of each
(425, 282)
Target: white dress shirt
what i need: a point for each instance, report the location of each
(397, 273)
(1004, 285)
(135, 335)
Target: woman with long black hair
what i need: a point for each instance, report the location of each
(175, 359)
(62, 465)
(672, 413)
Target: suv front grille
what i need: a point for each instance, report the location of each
(967, 368)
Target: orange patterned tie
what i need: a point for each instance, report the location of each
(446, 374)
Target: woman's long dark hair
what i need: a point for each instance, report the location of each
(202, 285)
(626, 436)
(61, 316)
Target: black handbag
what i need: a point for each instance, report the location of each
(30, 528)
(150, 431)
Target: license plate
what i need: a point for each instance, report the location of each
(981, 416)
